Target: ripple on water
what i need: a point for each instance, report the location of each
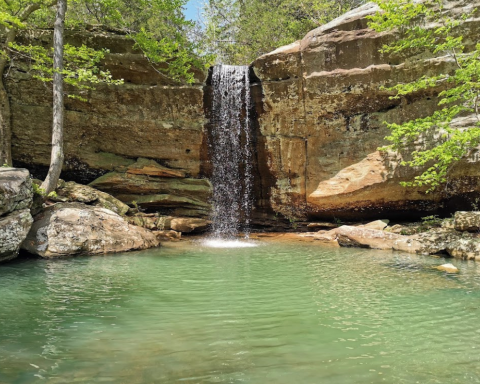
(275, 313)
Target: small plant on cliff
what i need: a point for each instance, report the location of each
(429, 28)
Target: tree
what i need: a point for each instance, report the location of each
(242, 30)
(56, 160)
(157, 26)
(429, 27)
(13, 16)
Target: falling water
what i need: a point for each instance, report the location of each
(230, 145)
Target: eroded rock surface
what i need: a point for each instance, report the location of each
(16, 196)
(13, 231)
(467, 221)
(73, 192)
(322, 121)
(15, 190)
(68, 229)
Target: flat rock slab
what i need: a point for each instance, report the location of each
(13, 231)
(74, 192)
(348, 236)
(72, 228)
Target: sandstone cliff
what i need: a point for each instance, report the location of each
(322, 121)
(320, 114)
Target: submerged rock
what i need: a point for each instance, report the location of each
(73, 228)
(450, 268)
(13, 231)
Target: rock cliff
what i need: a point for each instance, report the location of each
(320, 119)
(322, 122)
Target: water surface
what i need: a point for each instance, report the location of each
(276, 313)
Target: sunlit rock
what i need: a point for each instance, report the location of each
(13, 231)
(68, 229)
(467, 221)
(450, 268)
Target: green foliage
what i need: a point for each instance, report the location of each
(429, 28)
(81, 69)
(239, 31)
(158, 27)
(37, 190)
(432, 220)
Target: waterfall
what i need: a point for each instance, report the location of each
(231, 153)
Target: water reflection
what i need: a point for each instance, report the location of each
(277, 313)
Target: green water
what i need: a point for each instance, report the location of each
(277, 313)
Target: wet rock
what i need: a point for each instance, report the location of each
(466, 249)
(74, 192)
(15, 190)
(188, 225)
(68, 229)
(13, 231)
(450, 268)
(467, 221)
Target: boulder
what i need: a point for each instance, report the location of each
(13, 231)
(467, 221)
(74, 192)
(188, 225)
(67, 229)
(450, 268)
(438, 240)
(16, 191)
(348, 236)
(378, 225)
(466, 249)
(168, 235)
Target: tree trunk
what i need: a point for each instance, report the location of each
(5, 114)
(56, 161)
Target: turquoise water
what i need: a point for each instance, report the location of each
(278, 313)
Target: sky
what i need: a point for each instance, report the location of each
(192, 10)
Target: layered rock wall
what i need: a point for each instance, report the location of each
(320, 115)
(323, 120)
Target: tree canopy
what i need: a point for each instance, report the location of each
(239, 31)
(430, 28)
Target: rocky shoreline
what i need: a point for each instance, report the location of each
(80, 220)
